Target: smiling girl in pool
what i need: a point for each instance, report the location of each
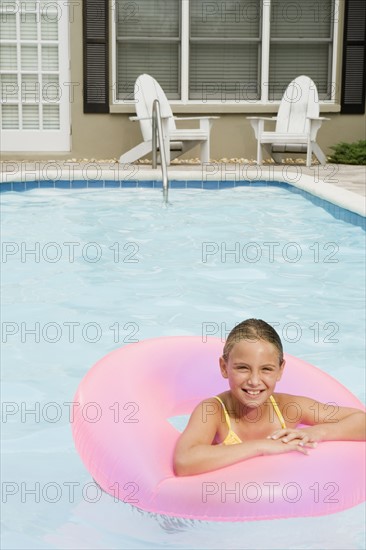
(246, 421)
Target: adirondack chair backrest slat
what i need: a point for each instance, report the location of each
(147, 89)
(299, 101)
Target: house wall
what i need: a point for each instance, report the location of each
(107, 136)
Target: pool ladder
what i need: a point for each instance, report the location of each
(157, 132)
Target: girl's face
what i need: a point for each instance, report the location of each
(252, 369)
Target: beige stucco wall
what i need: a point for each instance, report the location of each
(107, 136)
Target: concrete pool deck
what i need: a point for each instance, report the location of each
(343, 185)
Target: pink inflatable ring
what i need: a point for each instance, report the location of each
(122, 434)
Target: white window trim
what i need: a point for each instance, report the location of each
(48, 140)
(337, 15)
(264, 105)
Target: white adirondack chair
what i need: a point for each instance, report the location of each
(297, 124)
(177, 141)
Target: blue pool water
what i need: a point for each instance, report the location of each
(86, 271)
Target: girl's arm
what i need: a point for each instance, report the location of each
(195, 452)
(326, 421)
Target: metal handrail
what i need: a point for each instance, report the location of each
(157, 130)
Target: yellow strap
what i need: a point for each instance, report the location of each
(227, 418)
(278, 412)
(232, 438)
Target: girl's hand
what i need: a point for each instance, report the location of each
(306, 437)
(274, 447)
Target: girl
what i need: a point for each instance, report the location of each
(246, 420)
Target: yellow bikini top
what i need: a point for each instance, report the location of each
(232, 438)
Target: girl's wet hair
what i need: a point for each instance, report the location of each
(253, 329)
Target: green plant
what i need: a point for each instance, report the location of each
(349, 153)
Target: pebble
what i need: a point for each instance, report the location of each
(223, 160)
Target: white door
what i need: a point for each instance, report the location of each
(34, 72)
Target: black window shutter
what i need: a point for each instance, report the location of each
(95, 56)
(354, 58)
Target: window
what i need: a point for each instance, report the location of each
(148, 34)
(225, 50)
(301, 41)
(33, 66)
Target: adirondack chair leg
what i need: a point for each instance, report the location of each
(205, 125)
(319, 153)
(309, 154)
(277, 157)
(166, 140)
(205, 151)
(259, 152)
(258, 129)
(136, 153)
(167, 152)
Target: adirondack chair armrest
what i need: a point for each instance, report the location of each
(261, 117)
(257, 123)
(134, 118)
(205, 121)
(195, 117)
(315, 124)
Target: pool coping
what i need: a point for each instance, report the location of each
(210, 176)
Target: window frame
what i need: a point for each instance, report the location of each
(264, 104)
(41, 139)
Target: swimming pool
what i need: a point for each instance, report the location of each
(86, 271)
